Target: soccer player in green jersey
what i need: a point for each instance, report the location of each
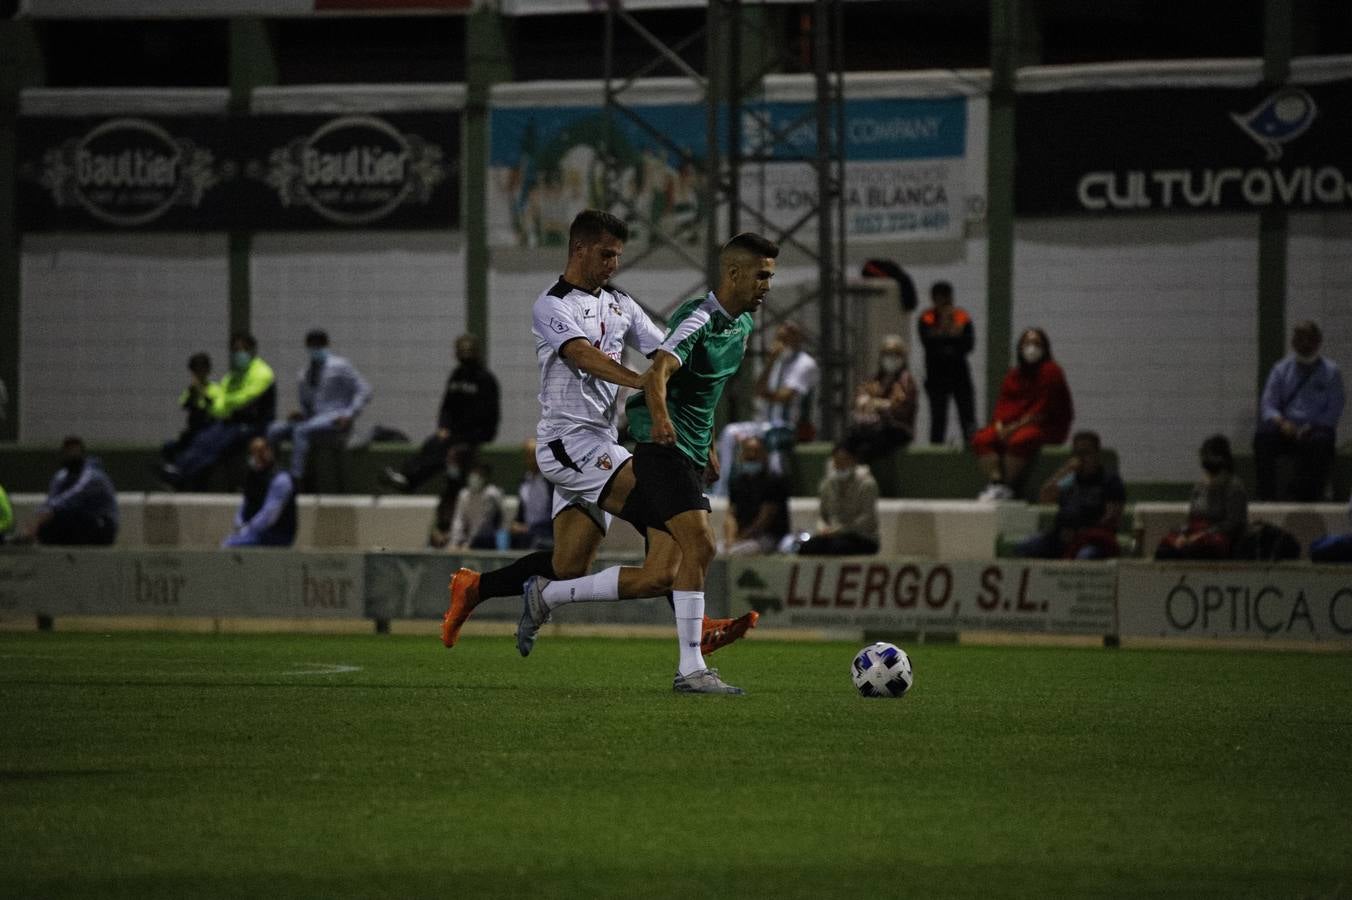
(673, 421)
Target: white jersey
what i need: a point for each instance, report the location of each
(571, 401)
(797, 371)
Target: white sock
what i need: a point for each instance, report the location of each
(689, 626)
(604, 585)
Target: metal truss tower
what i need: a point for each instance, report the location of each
(740, 135)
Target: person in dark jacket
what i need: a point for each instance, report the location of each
(469, 414)
(81, 505)
(196, 401)
(267, 512)
(948, 336)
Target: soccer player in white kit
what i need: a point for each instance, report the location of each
(581, 327)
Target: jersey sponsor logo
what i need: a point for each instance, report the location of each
(557, 325)
(604, 462)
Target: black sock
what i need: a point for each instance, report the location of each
(507, 581)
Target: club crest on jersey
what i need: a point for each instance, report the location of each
(604, 462)
(615, 308)
(557, 325)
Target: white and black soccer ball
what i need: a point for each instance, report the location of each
(882, 670)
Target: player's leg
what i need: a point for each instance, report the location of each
(576, 539)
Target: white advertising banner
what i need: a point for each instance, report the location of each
(1290, 602)
(205, 583)
(927, 595)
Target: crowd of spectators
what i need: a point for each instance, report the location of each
(1298, 414)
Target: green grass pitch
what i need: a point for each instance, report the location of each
(174, 765)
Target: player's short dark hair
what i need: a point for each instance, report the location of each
(243, 337)
(72, 440)
(591, 224)
(753, 243)
(941, 289)
(199, 362)
(316, 337)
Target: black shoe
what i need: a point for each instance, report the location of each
(168, 475)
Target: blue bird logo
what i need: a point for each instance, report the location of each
(1282, 117)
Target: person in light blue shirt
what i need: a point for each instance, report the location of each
(1298, 416)
(267, 513)
(81, 504)
(332, 394)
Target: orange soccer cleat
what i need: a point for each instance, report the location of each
(464, 589)
(721, 632)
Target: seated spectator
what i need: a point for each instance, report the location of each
(332, 393)
(196, 401)
(478, 514)
(758, 504)
(1298, 417)
(1089, 501)
(1333, 548)
(469, 415)
(267, 513)
(1034, 408)
(533, 527)
(783, 397)
(81, 504)
(883, 418)
(848, 512)
(1217, 513)
(246, 401)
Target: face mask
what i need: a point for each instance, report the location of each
(240, 359)
(752, 468)
(1212, 465)
(890, 363)
(475, 481)
(1030, 353)
(256, 464)
(842, 474)
(73, 465)
(1307, 359)
(318, 355)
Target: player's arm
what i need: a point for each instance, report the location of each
(581, 355)
(655, 395)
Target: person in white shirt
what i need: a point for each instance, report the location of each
(783, 394)
(478, 512)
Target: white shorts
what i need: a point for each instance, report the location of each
(580, 466)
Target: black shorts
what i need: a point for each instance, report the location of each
(666, 484)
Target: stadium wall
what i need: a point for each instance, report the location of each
(1276, 605)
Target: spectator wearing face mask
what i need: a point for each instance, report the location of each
(242, 406)
(81, 504)
(478, 512)
(469, 415)
(783, 393)
(758, 504)
(1033, 408)
(267, 512)
(1218, 511)
(882, 419)
(332, 393)
(848, 511)
(1298, 417)
(948, 336)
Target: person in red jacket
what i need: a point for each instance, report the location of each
(1034, 408)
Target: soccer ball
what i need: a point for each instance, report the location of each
(882, 670)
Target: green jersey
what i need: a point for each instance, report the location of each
(710, 346)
